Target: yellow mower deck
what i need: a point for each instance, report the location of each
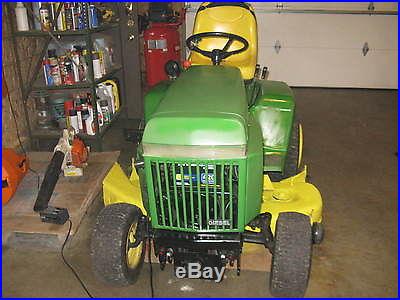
(293, 194)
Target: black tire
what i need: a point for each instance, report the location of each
(292, 157)
(291, 259)
(108, 244)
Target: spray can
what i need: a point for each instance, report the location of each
(69, 16)
(83, 20)
(75, 15)
(54, 67)
(44, 18)
(68, 72)
(36, 15)
(93, 18)
(46, 70)
(61, 66)
(22, 17)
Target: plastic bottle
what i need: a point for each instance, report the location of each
(75, 65)
(109, 89)
(100, 117)
(90, 129)
(22, 17)
(105, 110)
(105, 62)
(73, 120)
(97, 71)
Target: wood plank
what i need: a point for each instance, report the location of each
(22, 226)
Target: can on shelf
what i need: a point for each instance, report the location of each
(93, 18)
(69, 16)
(44, 18)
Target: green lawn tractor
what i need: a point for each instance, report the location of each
(219, 165)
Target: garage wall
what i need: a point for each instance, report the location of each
(321, 44)
(28, 52)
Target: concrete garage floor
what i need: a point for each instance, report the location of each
(351, 151)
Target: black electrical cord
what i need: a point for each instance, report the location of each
(151, 271)
(68, 265)
(17, 132)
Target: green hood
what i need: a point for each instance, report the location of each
(205, 106)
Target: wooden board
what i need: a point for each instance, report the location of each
(22, 226)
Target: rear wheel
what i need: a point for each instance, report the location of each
(293, 156)
(291, 259)
(115, 257)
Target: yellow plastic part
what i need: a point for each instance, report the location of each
(230, 19)
(133, 255)
(293, 194)
(117, 188)
(115, 93)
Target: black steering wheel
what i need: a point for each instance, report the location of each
(217, 55)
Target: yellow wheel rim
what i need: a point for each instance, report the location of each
(133, 255)
(300, 145)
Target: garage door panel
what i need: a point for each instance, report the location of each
(331, 67)
(330, 31)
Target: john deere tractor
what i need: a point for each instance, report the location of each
(218, 166)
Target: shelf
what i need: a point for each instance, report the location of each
(56, 133)
(85, 85)
(82, 32)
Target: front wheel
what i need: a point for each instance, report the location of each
(291, 259)
(116, 257)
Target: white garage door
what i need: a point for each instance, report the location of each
(326, 44)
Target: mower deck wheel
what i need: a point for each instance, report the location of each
(114, 258)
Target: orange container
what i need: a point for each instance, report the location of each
(14, 167)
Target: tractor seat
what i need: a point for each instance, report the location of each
(236, 18)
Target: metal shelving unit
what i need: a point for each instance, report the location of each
(38, 134)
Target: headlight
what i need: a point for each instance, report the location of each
(208, 152)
